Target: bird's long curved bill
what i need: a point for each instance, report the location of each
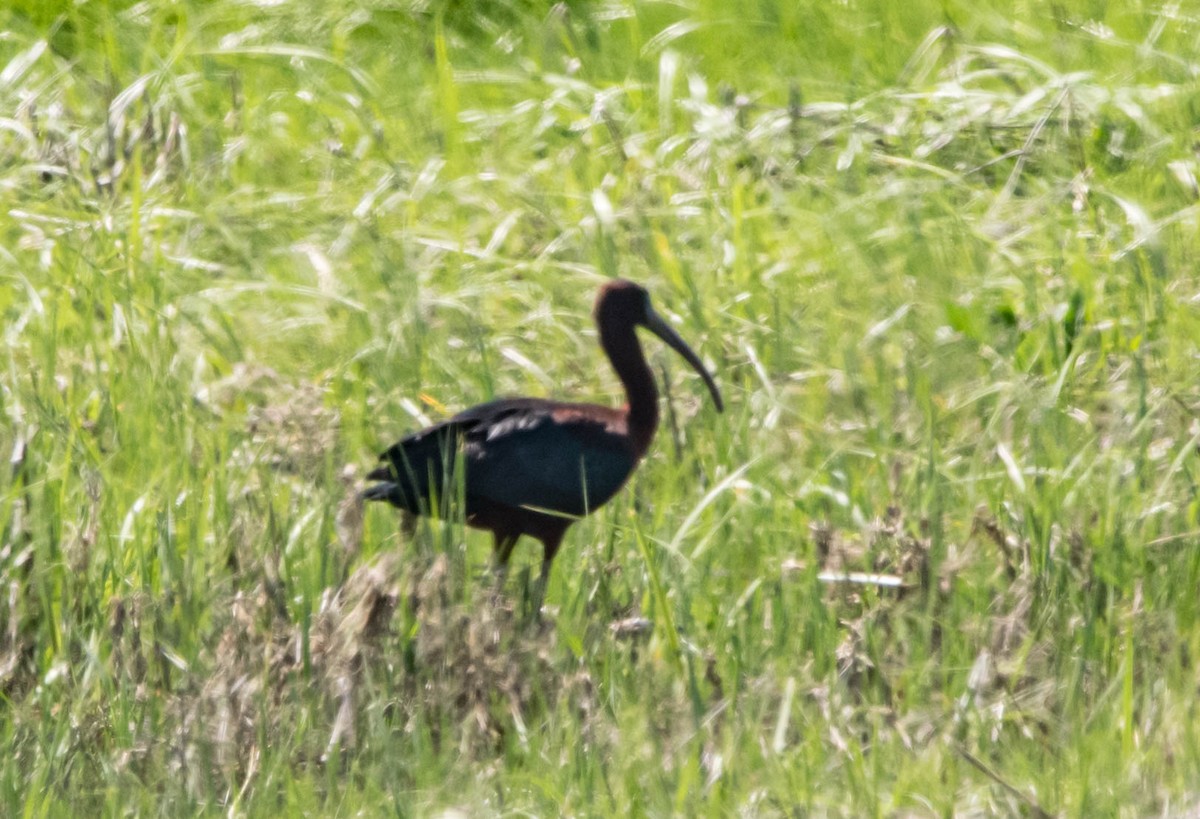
(656, 325)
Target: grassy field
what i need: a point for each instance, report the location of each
(944, 258)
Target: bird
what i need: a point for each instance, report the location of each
(533, 466)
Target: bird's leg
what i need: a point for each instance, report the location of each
(550, 545)
(408, 524)
(502, 549)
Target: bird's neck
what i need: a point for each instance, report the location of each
(625, 353)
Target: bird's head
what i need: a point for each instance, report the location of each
(620, 300)
(623, 304)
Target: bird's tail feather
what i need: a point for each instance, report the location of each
(382, 473)
(416, 472)
(379, 492)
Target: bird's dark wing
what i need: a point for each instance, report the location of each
(518, 452)
(417, 471)
(564, 458)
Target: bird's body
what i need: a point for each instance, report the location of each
(531, 466)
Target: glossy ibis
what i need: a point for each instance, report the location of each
(533, 466)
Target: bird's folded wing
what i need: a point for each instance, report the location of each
(530, 457)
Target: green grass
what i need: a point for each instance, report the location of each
(942, 257)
